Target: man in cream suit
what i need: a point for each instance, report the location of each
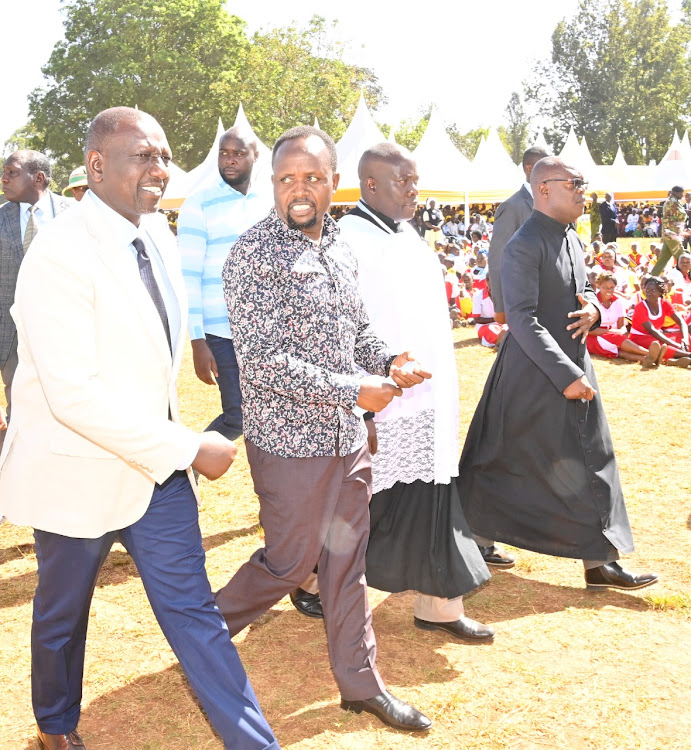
(30, 207)
(95, 452)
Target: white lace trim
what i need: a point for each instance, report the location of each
(406, 452)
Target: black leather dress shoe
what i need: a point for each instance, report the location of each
(307, 604)
(392, 711)
(496, 557)
(464, 627)
(60, 741)
(613, 576)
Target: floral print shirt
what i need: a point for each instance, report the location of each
(299, 328)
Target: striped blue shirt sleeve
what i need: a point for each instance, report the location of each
(192, 240)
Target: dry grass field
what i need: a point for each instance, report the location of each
(568, 669)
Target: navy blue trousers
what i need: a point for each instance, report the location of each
(229, 422)
(166, 546)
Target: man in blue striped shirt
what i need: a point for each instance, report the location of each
(210, 221)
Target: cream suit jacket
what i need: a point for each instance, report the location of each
(90, 434)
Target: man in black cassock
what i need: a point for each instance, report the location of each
(538, 469)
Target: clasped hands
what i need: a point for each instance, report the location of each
(376, 392)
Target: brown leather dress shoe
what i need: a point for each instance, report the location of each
(613, 576)
(60, 741)
(392, 711)
(496, 557)
(464, 627)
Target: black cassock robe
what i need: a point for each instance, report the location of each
(538, 470)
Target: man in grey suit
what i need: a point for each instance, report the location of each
(25, 179)
(509, 218)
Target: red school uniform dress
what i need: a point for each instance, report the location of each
(607, 344)
(642, 314)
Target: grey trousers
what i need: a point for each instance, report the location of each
(313, 510)
(8, 370)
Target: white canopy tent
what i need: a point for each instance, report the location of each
(362, 133)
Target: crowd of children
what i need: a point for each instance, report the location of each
(644, 318)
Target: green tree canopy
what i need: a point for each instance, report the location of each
(292, 75)
(161, 55)
(619, 72)
(187, 62)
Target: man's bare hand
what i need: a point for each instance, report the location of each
(204, 362)
(372, 442)
(587, 316)
(406, 371)
(376, 394)
(500, 318)
(215, 455)
(580, 388)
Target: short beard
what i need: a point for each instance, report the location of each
(239, 180)
(307, 224)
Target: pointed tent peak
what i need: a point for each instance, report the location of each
(571, 143)
(243, 124)
(494, 142)
(541, 142)
(136, 106)
(619, 160)
(480, 147)
(316, 123)
(587, 161)
(391, 138)
(675, 152)
(362, 132)
(685, 146)
(435, 133)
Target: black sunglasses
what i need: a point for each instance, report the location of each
(577, 182)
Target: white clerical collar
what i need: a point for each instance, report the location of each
(526, 185)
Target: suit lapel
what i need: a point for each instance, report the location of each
(126, 275)
(162, 236)
(14, 230)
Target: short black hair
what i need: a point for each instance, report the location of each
(35, 162)
(305, 131)
(534, 154)
(107, 123)
(659, 283)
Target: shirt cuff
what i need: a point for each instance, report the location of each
(194, 441)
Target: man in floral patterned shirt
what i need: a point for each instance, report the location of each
(301, 330)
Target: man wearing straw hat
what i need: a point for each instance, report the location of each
(77, 184)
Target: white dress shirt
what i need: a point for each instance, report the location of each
(44, 212)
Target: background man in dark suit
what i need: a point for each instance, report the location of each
(509, 218)
(610, 216)
(25, 179)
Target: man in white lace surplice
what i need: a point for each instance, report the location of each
(419, 539)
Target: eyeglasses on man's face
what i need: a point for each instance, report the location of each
(576, 183)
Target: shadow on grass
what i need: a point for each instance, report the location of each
(118, 568)
(16, 553)
(510, 597)
(466, 342)
(285, 655)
